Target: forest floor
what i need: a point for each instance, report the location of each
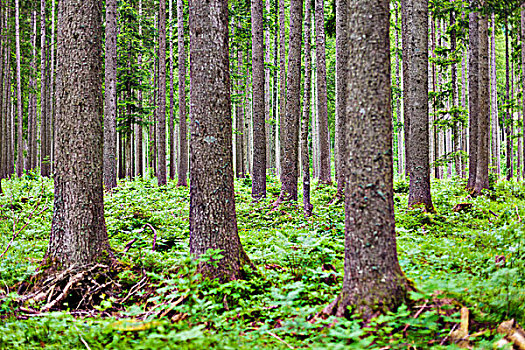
(461, 257)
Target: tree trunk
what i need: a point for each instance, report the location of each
(399, 115)
(415, 79)
(139, 154)
(473, 97)
(161, 115)
(290, 123)
(110, 109)
(183, 142)
(508, 119)
(213, 223)
(305, 158)
(456, 125)
(258, 101)
(32, 122)
(172, 114)
(523, 79)
(78, 231)
(19, 102)
(494, 104)
(241, 133)
(322, 104)
(373, 280)
(51, 86)
(483, 135)
(267, 91)
(3, 68)
(45, 132)
(340, 82)
(282, 84)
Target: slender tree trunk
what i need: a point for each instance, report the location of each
(399, 115)
(415, 78)
(161, 115)
(373, 280)
(507, 121)
(110, 109)
(435, 132)
(45, 154)
(213, 223)
(267, 80)
(282, 83)
(473, 97)
(19, 102)
(3, 68)
(494, 101)
(523, 80)
(290, 124)
(258, 115)
(322, 104)
(32, 123)
(340, 82)
(239, 120)
(483, 135)
(456, 126)
(51, 106)
(183, 143)
(172, 114)
(78, 231)
(305, 158)
(139, 153)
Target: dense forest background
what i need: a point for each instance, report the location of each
(252, 174)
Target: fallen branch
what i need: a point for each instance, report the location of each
(279, 339)
(17, 233)
(154, 236)
(518, 213)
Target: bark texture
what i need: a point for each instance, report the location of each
(45, 122)
(183, 131)
(340, 98)
(373, 280)
(19, 102)
(161, 114)
(473, 71)
(483, 135)
(325, 175)
(290, 123)
(78, 232)
(415, 80)
(305, 156)
(213, 223)
(173, 168)
(110, 107)
(258, 112)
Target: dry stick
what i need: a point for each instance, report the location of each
(282, 341)
(517, 213)
(452, 330)
(416, 316)
(154, 236)
(16, 234)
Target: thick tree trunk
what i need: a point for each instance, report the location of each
(78, 232)
(305, 158)
(51, 86)
(282, 85)
(483, 135)
(340, 98)
(473, 97)
(161, 115)
(258, 101)
(183, 141)
(19, 102)
(399, 115)
(415, 79)
(110, 109)
(213, 223)
(290, 124)
(322, 104)
(373, 279)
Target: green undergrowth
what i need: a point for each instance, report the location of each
(472, 257)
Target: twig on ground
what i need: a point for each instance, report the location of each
(154, 236)
(279, 339)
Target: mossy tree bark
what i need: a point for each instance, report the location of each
(373, 280)
(78, 232)
(213, 223)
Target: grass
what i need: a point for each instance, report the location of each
(473, 258)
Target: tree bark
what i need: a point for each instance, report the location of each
(78, 232)
(19, 102)
(258, 101)
(324, 145)
(415, 78)
(373, 279)
(161, 115)
(282, 85)
(523, 78)
(483, 135)
(290, 124)
(32, 122)
(340, 82)
(45, 131)
(456, 126)
(139, 153)
(242, 130)
(213, 223)
(172, 114)
(508, 119)
(110, 109)
(494, 98)
(183, 142)
(305, 157)
(473, 94)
